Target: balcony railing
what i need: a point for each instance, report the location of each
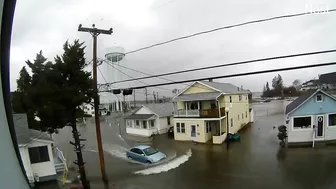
(204, 113)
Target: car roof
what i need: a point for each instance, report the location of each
(141, 147)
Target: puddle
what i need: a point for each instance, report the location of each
(166, 166)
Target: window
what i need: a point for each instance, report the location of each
(144, 124)
(150, 151)
(242, 116)
(238, 117)
(332, 119)
(240, 97)
(194, 106)
(231, 122)
(230, 99)
(38, 154)
(246, 114)
(137, 151)
(178, 127)
(213, 105)
(319, 98)
(302, 122)
(91, 107)
(152, 123)
(182, 128)
(208, 127)
(168, 120)
(137, 122)
(129, 123)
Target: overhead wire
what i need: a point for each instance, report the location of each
(239, 74)
(233, 64)
(225, 27)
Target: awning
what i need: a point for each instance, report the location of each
(140, 116)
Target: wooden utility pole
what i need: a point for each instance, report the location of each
(134, 98)
(95, 32)
(157, 97)
(146, 95)
(154, 97)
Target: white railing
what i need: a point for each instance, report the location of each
(60, 155)
(186, 113)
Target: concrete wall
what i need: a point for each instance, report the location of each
(44, 168)
(198, 88)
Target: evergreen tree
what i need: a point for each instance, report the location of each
(267, 87)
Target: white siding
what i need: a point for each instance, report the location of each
(144, 110)
(140, 132)
(26, 163)
(163, 124)
(44, 168)
(330, 132)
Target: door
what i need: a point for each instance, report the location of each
(193, 132)
(319, 126)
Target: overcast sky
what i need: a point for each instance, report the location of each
(47, 24)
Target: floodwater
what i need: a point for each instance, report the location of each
(255, 162)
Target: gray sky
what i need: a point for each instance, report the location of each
(46, 25)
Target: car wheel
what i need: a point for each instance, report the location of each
(129, 157)
(148, 162)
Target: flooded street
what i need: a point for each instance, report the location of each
(254, 162)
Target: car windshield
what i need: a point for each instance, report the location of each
(150, 151)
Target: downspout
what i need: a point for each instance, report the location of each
(219, 114)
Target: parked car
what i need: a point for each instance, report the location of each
(171, 132)
(145, 154)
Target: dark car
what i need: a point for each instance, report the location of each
(171, 132)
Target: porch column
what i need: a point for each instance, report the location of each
(220, 121)
(186, 107)
(148, 125)
(198, 105)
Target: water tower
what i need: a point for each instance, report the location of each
(115, 55)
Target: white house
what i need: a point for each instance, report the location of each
(311, 117)
(150, 119)
(89, 109)
(40, 158)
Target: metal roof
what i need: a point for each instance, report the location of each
(161, 109)
(196, 96)
(328, 78)
(140, 116)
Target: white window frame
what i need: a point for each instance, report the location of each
(238, 117)
(230, 99)
(312, 118)
(330, 126)
(150, 123)
(137, 125)
(178, 127)
(240, 97)
(321, 98)
(184, 128)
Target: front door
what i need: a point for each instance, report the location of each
(193, 132)
(319, 126)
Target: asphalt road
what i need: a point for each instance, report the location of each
(255, 162)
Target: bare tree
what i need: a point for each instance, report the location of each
(297, 84)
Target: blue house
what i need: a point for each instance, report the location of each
(311, 117)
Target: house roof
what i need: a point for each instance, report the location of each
(140, 116)
(301, 99)
(162, 109)
(196, 96)
(225, 87)
(25, 135)
(328, 78)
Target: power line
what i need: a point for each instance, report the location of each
(238, 75)
(135, 78)
(231, 64)
(224, 27)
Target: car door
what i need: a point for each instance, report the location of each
(137, 155)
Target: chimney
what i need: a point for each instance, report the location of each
(210, 80)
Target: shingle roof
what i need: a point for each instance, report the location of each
(328, 78)
(298, 101)
(162, 110)
(140, 116)
(196, 96)
(225, 87)
(25, 135)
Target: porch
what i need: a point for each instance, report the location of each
(59, 160)
(201, 109)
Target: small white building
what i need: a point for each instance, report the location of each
(150, 119)
(89, 109)
(311, 117)
(41, 160)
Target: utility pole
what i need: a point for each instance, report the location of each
(94, 33)
(154, 97)
(146, 95)
(134, 98)
(157, 97)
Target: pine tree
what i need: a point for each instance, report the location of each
(267, 87)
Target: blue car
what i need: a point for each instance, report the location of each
(145, 154)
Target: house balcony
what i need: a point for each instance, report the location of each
(203, 113)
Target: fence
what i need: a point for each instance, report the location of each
(270, 108)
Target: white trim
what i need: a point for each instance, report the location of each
(318, 90)
(319, 100)
(144, 106)
(209, 86)
(193, 85)
(200, 119)
(41, 140)
(332, 126)
(312, 121)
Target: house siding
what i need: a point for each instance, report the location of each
(44, 168)
(200, 130)
(26, 163)
(311, 107)
(198, 88)
(163, 125)
(235, 108)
